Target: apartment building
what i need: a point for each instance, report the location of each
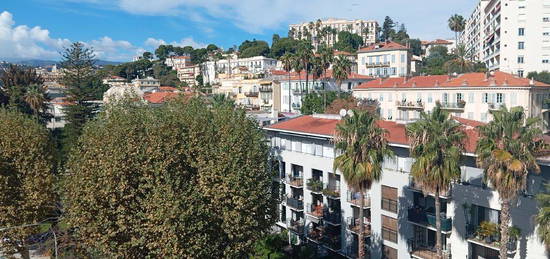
(326, 31)
(188, 74)
(471, 96)
(510, 36)
(320, 210)
(178, 62)
(293, 90)
(211, 70)
(147, 84)
(385, 59)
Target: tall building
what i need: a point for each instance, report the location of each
(213, 70)
(385, 59)
(509, 35)
(320, 210)
(326, 31)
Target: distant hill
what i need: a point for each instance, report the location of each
(42, 63)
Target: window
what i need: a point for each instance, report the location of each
(471, 97)
(363, 60)
(389, 199)
(402, 57)
(389, 229)
(381, 98)
(500, 98)
(485, 98)
(318, 150)
(389, 252)
(390, 115)
(513, 99)
(445, 97)
(521, 31)
(390, 97)
(458, 97)
(545, 19)
(393, 58)
(520, 60)
(545, 61)
(520, 73)
(430, 100)
(296, 146)
(521, 45)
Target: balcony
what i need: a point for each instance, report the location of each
(456, 107)
(332, 241)
(251, 94)
(296, 226)
(423, 251)
(332, 218)
(404, 105)
(413, 186)
(477, 236)
(332, 191)
(378, 64)
(354, 199)
(354, 225)
(315, 210)
(294, 203)
(314, 185)
(295, 181)
(298, 92)
(495, 106)
(315, 234)
(266, 89)
(421, 217)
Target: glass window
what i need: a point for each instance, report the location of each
(430, 99)
(485, 98)
(390, 97)
(381, 98)
(393, 58)
(500, 98)
(445, 97)
(471, 97)
(390, 115)
(458, 97)
(318, 150)
(328, 151)
(521, 31)
(402, 57)
(520, 59)
(513, 99)
(520, 73)
(521, 45)
(296, 146)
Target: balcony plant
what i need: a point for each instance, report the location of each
(461, 103)
(487, 231)
(314, 185)
(514, 233)
(330, 192)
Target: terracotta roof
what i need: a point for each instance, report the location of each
(499, 79)
(396, 133)
(159, 97)
(345, 53)
(390, 45)
(168, 89)
(62, 101)
(352, 75)
(436, 42)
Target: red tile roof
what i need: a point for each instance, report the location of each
(345, 53)
(159, 97)
(436, 42)
(396, 133)
(498, 78)
(390, 45)
(352, 75)
(168, 89)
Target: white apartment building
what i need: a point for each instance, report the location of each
(178, 62)
(292, 94)
(320, 210)
(510, 35)
(470, 96)
(188, 74)
(115, 81)
(322, 32)
(256, 65)
(147, 84)
(385, 59)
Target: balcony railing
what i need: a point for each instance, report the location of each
(296, 226)
(355, 199)
(315, 233)
(294, 203)
(332, 217)
(492, 242)
(332, 241)
(378, 64)
(251, 94)
(315, 210)
(453, 106)
(266, 89)
(420, 216)
(422, 250)
(495, 106)
(332, 191)
(314, 185)
(295, 181)
(355, 226)
(417, 188)
(418, 105)
(298, 92)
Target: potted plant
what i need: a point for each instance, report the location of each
(486, 231)
(514, 233)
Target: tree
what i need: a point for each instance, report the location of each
(461, 62)
(282, 46)
(163, 51)
(16, 81)
(27, 196)
(155, 182)
(147, 55)
(274, 39)
(35, 97)
(305, 55)
(543, 76)
(348, 102)
(388, 30)
(416, 46)
(457, 24)
(341, 69)
(253, 48)
(363, 148)
(543, 217)
(436, 146)
(288, 63)
(83, 87)
(434, 64)
(401, 36)
(222, 100)
(506, 151)
(212, 47)
(348, 41)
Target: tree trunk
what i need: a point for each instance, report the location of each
(504, 223)
(438, 225)
(289, 94)
(307, 77)
(361, 237)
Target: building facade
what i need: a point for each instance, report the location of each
(427, 45)
(386, 59)
(326, 31)
(188, 74)
(471, 96)
(147, 84)
(320, 210)
(212, 70)
(510, 36)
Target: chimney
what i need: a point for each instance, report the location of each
(437, 83)
(465, 83)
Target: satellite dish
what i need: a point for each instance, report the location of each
(350, 113)
(343, 112)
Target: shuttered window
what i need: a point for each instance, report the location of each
(389, 229)
(389, 252)
(389, 199)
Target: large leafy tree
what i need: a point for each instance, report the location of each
(457, 24)
(253, 48)
(461, 62)
(182, 180)
(22, 89)
(543, 217)
(507, 151)
(388, 30)
(27, 196)
(543, 76)
(363, 148)
(436, 145)
(305, 57)
(348, 41)
(283, 46)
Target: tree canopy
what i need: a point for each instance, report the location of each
(543, 76)
(348, 41)
(253, 48)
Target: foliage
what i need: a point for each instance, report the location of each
(434, 64)
(457, 23)
(487, 229)
(515, 232)
(416, 46)
(341, 68)
(348, 41)
(317, 102)
(131, 70)
(253, 48)
(543, 216)
(314, 184)
(27, 172)
(283, 46)
(271, 246)
(387, 29)
(147, 55)
(348, 102)
(222, 100)
(166, 76)
(460, 63)
(543, 76)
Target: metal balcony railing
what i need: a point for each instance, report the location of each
(355, 199)
(420, 216)
(294, 203)
(332, 190)
(355, 226)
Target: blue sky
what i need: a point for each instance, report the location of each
(120, 29)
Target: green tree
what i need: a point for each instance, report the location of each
(27, 197)
(461, 62)
(543, 216)
(434, 64)
(457, 24)
(163, 51)
(288, 63)
(543, 76)
(35, 97)
(155, 182)
(348, 41)
(222, 100)
(253, 48)
(282, 46)
(388, 30)
(147, 55)
(436, 146)
(83, 87)
(507, 151)
(341, 68)
(401, 36)
(15, 82)
(363, 148)
(305, 56)
(416, 46)
(212, 47)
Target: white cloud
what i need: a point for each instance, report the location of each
(189, 41)
(107, 48)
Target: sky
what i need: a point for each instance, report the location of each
(118, 30)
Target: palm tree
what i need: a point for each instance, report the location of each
(506, 151)
(316, 68)
(543, 217)
(297, 66)
(326, 58)
(363, 148)
(288, 60)
(461, 63)
(305, 55)
(35, 98)
(457, 24)
(341, 69)
(436, 146)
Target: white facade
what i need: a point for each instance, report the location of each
(255, 65)
(188, 74)
(313, 31)
(393, 200)
(384, 60)
(510, 36)
(147, 84)
(178, 62)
